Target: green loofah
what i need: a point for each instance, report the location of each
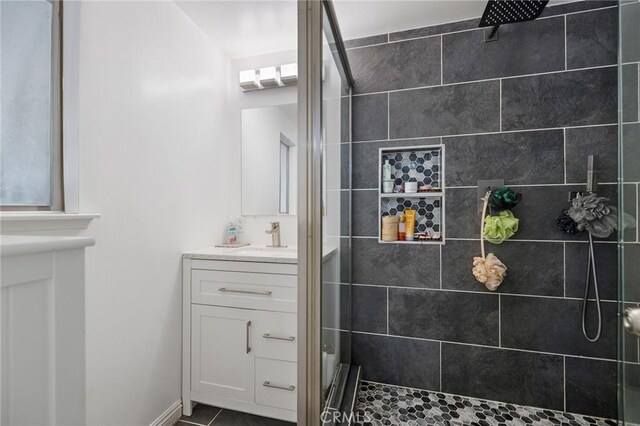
(504, 199)
(501, 227)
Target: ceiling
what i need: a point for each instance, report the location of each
(244, 28)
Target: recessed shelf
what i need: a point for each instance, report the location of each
(411, 194)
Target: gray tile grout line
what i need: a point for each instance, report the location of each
(459, 31)
(519, 185)
(191, 423)
(215, 417)
(440, 366)
(564, 147)
(564, 383)
(485, 80)
(564, 269)
(499, 322)
(504, 348)
(387, 309)
(515, 240)
(449, 136)
(500, 107)
(565, 43)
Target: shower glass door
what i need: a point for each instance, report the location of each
(629, 196)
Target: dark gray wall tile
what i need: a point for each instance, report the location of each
(461, 214)
(370, 309)
(523, 275)
(592, 38)
(555, 325)
(631, 152)
(345, 111)
(632, 381)
(365, 159)
(630, 33)
(393, 66)
(630, 343)
(435, 30)
(629, 92)
(562, 99)
(366, 209)
(336, 311)
(602, 143)
(631, 272)
(345, 214)
(398, 361)
(607, 266)
(408, 265)
(446, 110)
(366, 41)
(345, 264)
(443, 315)
(528, 48)
(518, 158)
(577, 6)
(370, 117)
(503, 375)
(592, 387)
(631, 207)
(345, 158)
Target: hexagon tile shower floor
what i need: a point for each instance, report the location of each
(380, 404)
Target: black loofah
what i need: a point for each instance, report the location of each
(566, 224)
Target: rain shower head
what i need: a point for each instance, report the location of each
(500, 12)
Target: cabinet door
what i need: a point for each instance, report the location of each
(221, 355)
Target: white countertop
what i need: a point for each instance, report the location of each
(252, 253)
(13, 245)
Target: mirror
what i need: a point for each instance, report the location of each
(269, 139)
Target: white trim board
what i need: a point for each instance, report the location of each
(170, 416)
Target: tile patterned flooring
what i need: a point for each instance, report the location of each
(390, 405)
(205, 415)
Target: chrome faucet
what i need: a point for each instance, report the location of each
(275, 234)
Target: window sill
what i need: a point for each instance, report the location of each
(11, 222)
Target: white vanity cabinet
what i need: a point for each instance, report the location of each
(239, 333)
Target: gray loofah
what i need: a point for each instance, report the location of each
(593, 214)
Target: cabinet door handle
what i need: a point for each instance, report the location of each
(262, 293)
(268, 384)
(287, 338)
(248, 343)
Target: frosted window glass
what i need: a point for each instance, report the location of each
(25, 92)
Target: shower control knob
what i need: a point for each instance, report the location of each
(631, 321)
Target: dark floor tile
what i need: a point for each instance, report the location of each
(462, 219)
(398, 361)
(370, 117)
(435, 30)
(602, 143)
(447, 110)
(401, 65)
(523, 275)
(592, 387)
(202, 414)
(366, 213)
(572, 98)
(518, 158)
(606, 264)
(629, 92)
(235, 418)
(592, 38)
(408, 265)
(630, 33)
(366, 159)
(443, 315)
(336, 311)
(466, 56)
(631, 152)
(370, 309)
(577, 6)
(555, 325)
(366, 41)
(503, 375)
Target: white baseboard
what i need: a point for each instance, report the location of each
(170, 416)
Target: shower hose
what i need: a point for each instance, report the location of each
(591, 271)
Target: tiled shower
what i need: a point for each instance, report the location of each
(528, 108)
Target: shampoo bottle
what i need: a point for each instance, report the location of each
(386, 170)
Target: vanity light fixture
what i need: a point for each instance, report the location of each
(269, 77)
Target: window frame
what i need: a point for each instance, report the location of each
(56, 164)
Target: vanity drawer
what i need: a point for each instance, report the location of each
(271, 292)
(275, 335)
(276, 383)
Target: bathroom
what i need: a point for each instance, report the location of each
(320, 212)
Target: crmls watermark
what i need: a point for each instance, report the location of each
(336, 417)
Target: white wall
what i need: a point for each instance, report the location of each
(154, 153)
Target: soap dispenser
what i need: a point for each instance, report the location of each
(386, 171)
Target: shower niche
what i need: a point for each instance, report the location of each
(413, 180)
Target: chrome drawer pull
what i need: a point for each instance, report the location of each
(262, 293)
(248, 342)
(287, 338)
(268, 384)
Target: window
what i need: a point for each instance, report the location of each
(30, 93)
(285, 145)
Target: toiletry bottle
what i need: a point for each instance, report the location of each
(386, 170)
(410, 223)
(232, 233)
(402, 235)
